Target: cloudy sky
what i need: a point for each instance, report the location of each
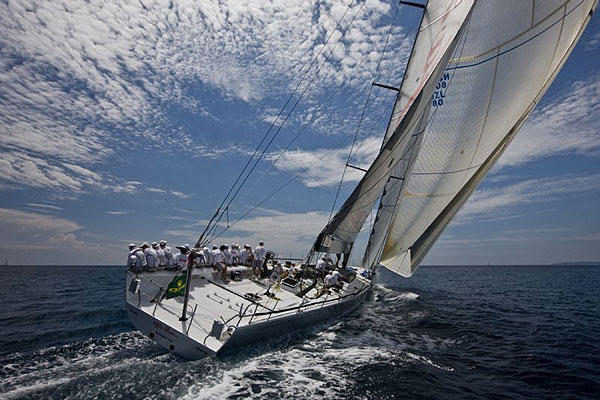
(129, 121)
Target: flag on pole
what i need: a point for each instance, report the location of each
(176, 287)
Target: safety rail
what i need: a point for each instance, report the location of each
(300, 308)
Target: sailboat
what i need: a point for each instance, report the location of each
(476, 71)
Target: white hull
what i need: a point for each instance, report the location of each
(248, 321)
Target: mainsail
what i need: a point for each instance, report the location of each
(440, 27)
(509, 54)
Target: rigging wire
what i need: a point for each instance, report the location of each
(297, 102)
(208, 226)
(376, 123)
(364, 111)
(211, 230)
(302, 171)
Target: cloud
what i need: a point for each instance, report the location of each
(324, 166)
(117, 212)
(81, 81)
(594, 42)
(44, 206)
(281, 232)
(22, 230)
(499, 201)
(566, 125)
(180, 195)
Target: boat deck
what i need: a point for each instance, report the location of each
(216, 309)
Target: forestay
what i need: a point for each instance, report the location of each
(438, 33)
(512, 52)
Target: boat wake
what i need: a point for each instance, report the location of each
(327, 364)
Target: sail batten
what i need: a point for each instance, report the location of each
(497, 79)
(444, 20)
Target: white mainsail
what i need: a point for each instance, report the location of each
(439, 30)
(510, 53)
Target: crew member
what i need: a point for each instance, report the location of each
(136, 261)
(246, 257)
(151, 257)
(259, 258)
(182, 257)
(235, 254)
(207, 255)
(169, 257)
(219, 262)
(162, 260)
(226, 254)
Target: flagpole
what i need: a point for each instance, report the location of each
(188, 281)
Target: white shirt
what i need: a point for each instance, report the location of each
(217, 256)
(246, 253)
(235, 256)
(330, 280)
(151, 257)
(259, 253)
(181, 260)
(207, 255)
(169, 257)
(320, 265)
(227, 256)
(134, 262)
(162, 260)
(141, 258)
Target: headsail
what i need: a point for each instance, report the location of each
(512, 52)
(439, 30)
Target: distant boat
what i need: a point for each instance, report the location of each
(476, 72)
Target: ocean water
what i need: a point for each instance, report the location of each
(502, 332)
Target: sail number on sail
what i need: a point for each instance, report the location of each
(437, 98)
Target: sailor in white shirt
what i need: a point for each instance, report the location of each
(169, 257)
(207, 255)
(182, 257)
(213, 254)
(136, 261)
(329, 280)
(227, 253)
(218, 259)
(246, 255)
(235, 254)
(158, 252)
(321, 266)
(151, 257)
(259, 258)
(162, 260)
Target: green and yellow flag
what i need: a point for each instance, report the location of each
(176, 287)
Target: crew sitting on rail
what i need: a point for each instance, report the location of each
(169, 257)
(136, 260)
(151, 257)
(218, 262)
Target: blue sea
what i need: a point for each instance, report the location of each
(498, 332)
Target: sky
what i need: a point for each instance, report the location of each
(129, 121)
